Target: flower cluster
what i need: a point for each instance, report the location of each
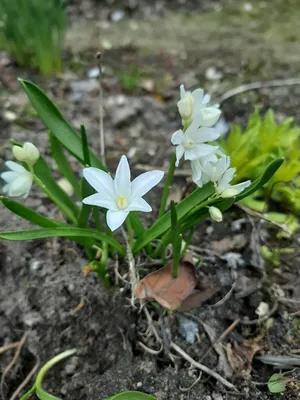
(208, 162)
(18, 179)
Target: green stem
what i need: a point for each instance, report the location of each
(167, 186)
(130, 232)
(176, 255)
(62, 206)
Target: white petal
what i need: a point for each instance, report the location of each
(177, 137)
(122, 179)
(205, 135)
(182, 91)
(198, 96)
(206, 99)
(9, 176)
(210, 116)
(101, 181)
(241, 186)
(19, 153)
(139, 205)
(21, 185)
(202, 150)
(227, 177)
(15, 167)
(99, 200)
(5, 188)
(115, 219)
(196, 170)
(190, 154)
(179, 153)
(32, 153)
(145, 182)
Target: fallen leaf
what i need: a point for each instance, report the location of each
(240, 356)
(203, 292)
(86, 270)
(167, 291)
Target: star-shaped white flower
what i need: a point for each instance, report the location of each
(18, 180)
(221, 174)
(199, 171)
(120, 195)
(192, 142)
(196, 103)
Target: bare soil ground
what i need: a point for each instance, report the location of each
(147, 54)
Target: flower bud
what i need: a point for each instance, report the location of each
(210, 116)
(229, 193)
(215, 214)
(28, 153)
(186, 107)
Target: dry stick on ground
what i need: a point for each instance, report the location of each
(262, 319)
(24, 383)
(257, 85)
(101, 129)
(184, 355)
(8, 347)
(12, 363)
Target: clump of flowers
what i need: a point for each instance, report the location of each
(102, 203)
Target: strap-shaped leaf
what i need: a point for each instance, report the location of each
(63, 164)
(68, 232)
(164, 223)
(29, 214)
(132, 396)
(56, 123)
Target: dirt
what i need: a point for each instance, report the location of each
(43, 291)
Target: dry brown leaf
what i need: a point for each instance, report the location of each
(240, 356)
(204, 291)
(167, 291)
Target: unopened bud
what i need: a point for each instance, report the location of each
(215, 214)
(229, 193)
(28, 153)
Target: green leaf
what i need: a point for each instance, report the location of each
(277, 383)
(164, 223)
(29, 214)
(68, 232)
(63, 164)
(262, 180)
(56, 123)
(132, 396)
(85, 146)
(61, 199)
(176, 240)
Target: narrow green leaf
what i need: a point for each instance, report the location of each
(56, 123)
(68, 232)
(86, 190)
(176, 240)
(132, 396)
(63, 164)
(29, 214)
(164, 223)
(277, 383)
(44, 173)
(262, 180)
(85, 146)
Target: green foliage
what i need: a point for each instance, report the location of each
(132, 396)
(131, 77)
(262, 142)
(277, 383)
(33, 32)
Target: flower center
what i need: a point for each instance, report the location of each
(188, 143)
(122, 203)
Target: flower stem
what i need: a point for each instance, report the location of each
(130, 232)
(167, 186)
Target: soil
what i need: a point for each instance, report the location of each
(43, 292)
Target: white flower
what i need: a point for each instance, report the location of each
(220, 173)
(215, 214)
(199, 173)
(18, 180)
(192, 104)
(120, 195)
(28, 153)
(191, 143)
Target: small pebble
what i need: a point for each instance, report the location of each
(139, 384)
(188, 329)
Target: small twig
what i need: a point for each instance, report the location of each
(192, 385)
(151, 351)
(257, 85)
(101, 129)
(8, 347)
(12, 363)
(24, 383)
(202, 367)
(226, 297)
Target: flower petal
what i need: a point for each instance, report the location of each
(210, 116)
(205, 135)
(139, 205)
(13, 166)
(179, 153)
(227, 177)
(122, 179)
(177, 137)
(145, 182)
(101, 181)
(206, 99)
(9, 176)
(182, 91)
(5, 188)
(203, 150)
(115, 219)
(198, 96)
(99, 200)
(241, 186)
(196, 170)
(21, 185)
